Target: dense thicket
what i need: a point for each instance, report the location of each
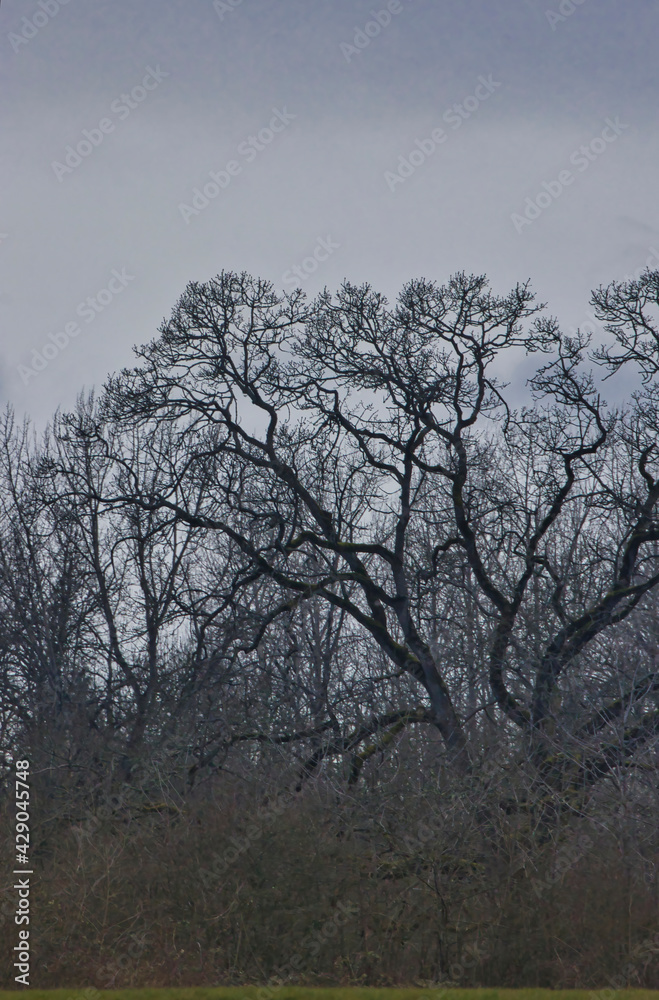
(308, 571)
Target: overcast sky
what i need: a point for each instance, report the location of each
(373, 141)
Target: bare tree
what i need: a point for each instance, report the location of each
(337, 434)
(47, 609)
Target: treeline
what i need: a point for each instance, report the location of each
(333, 664)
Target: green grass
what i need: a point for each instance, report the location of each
(302, 993)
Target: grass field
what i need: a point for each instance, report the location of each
(302, 993)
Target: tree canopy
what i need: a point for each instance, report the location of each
(341, 502)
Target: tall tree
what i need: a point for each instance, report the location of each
(335, 435)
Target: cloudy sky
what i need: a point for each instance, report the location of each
(152, 142)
